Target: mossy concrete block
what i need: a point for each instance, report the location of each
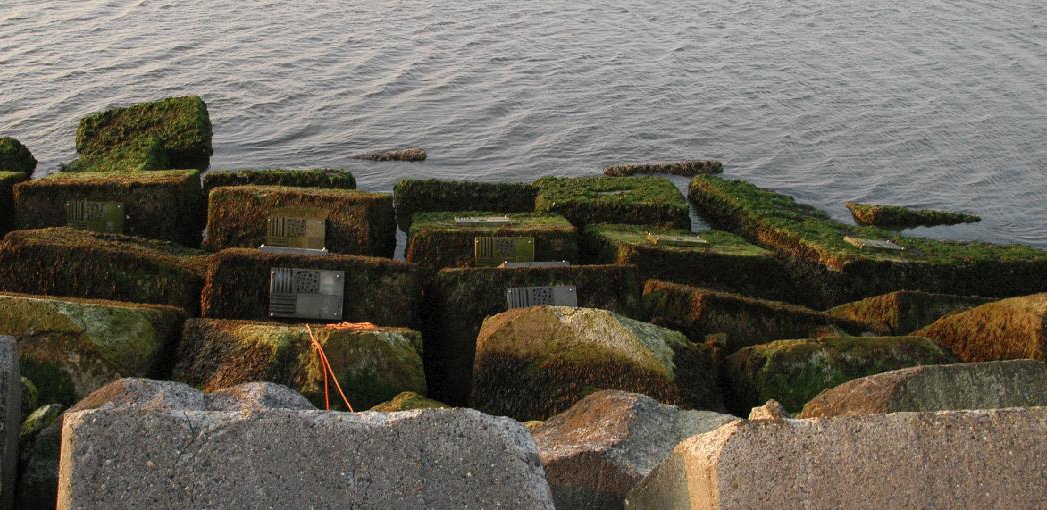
(436, 241)
(432, 195)
(77, 263)
(745, 321)
(728, 262)
(990, 385)
(141, 154)
(533, 363)
(372, 366)
(835, 272)
(688, 168)
(407, 401)
(894, 216)
(632, 200)
(157, 205)
(905, 311)
(377, 290)
(295, 178)
(15, 157)
(180, 125)
(358, 223)
(795, 371)
(7, 208)
(1014, 328)
(70, 347)
(458, 300)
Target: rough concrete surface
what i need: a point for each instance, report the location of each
(10, 418)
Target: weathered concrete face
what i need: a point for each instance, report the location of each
(957, 459)
(10, 418)
(419, 459)
(992, 385)
(606, 443)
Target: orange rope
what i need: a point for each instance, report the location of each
(326, 367)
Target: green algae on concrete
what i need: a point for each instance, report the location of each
(632, 200)
(795, 371)
(7, 208)
(905, 311)
(416, 196)
(15, 157)
(836, 272)
(158, 205)
(1013, 328)
(534, 363)
(727, 262)
(71, 347)
(893, 216)
(689, 168)
(408, 401)
(177, 129)
(458, 300)
(295, 178)
(743, 321)
(358, 223)
(372, 366)
(436, 241)
(377, 290)
(67, 262)
(29, 393)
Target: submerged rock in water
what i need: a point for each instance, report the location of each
(409, 154)
(689, 168)
(893, 216)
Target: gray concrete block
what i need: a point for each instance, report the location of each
(10, 418)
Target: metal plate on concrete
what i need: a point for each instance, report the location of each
(522, 297)
(483, 221)
(491, 251)
(873, 244)
(514, 265)
(296, 227)
(306, 293)
(276, 250)
(676, 241)
(97, 216)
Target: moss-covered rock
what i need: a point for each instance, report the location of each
(38, 420)
(741, 321)
(893, 216)
(436, 241)
(534, 363)
(294, 178)
(70, 347)
(416, 196)
(458, 300)
(141, 154)
(15, 157)
(1014, 328)
(177, 129)
(7, 208)
(408, 401)
(78, 263)
(794, 371)
(377, 290)
(29, 396)
(727, 262)
(836, 272)
(632, 200)
(408, 154)
(905, 311)
(39, 449)
(358, 223)
(372, 366)
(689, 168)
(158, 205)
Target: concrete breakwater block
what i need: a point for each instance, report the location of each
(722, 261)
(905, 311)
(836, 272)
(372, 366)
(166, 458)
(954, 459)
(357, 223)
(437, 241)
(417, 196)
(1013, 328)
(458, 300)
(990, 385)
(378, 290)
(7, 207)
(67, 262)
(292, 177)
(745, 321)
(70, 347)
(10, 418)
(157, 205)
(795, 371)
(633, 200)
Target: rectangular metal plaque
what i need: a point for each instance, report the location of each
(491, 251)
(522, 297)
(306, 293)
(676, 241)
(873, 244)
(292, 227)
(484, 221)
(512, 265)
(97, 216)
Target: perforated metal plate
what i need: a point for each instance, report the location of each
(873, 244)
(491, 251)
(306, 293)
(97, 216)
(512, 265)
(488, 221)
(294, 227)
(522, 297)
(676, 241)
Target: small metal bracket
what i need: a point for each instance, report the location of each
(515, 265)
(296, 227)
(522, 297)
(485, 221)
(105, 217)
(491, 251)
(676, 241)
(873, 244)
(306, 293)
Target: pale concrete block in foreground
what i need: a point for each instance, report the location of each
(10, 418)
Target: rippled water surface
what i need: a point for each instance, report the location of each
(940, 103)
